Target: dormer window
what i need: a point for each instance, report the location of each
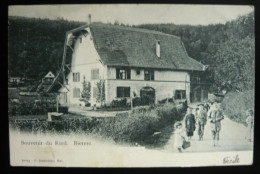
(158, 54)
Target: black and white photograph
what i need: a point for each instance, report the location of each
(131, 85)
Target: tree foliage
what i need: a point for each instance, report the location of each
(35, 46)
(101, 91)
(228, 49)
(86, 91)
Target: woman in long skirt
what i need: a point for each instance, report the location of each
(190, 123)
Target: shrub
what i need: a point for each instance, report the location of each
(38, 107)
(235, 105)
(142, 101)
(138, 127)
(141, 124)
(170, 100)
(119, 103)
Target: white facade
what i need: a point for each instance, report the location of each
(165, 83)
(85, 59)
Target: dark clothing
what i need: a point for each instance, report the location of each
(190, 124)
(206, 107)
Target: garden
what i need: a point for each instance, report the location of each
(149, 126)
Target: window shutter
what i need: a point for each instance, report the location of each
(152, 75)
(94, 74)
(128, 72)
(118, 91)
(78, 96)
(117, 73)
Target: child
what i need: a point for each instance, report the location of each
(190, 123)
(250, 124)
(201, 117)
(179, 137)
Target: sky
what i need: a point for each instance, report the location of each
(135, 14)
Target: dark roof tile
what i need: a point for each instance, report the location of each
(126, 46)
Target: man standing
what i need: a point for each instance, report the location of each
(215, 116)
(201, 117)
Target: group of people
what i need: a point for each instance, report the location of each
(199, 119)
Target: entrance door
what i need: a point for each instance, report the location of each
(196, 94)
(147, 95)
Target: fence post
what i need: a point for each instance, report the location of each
(57, 105)
(131, 105)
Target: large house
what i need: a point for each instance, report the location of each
(129, 61)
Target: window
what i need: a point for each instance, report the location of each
(148, 75)
(123, 73)
(76, 77)
(76, 93)
(94, 74)
(95, 92)
(138, 72)
(123, 91)
(180, 94)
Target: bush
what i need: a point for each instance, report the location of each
(141, 124)
(142, 101)
(37, 107)
(138, 127)
(235, 105)
(170, 100)
(119, 103)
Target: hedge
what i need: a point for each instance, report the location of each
(136, 127)
(235, 105)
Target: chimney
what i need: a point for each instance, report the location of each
(89, 19)
(158, 48)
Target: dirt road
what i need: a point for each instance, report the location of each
(232, 138)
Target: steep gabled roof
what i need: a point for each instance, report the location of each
(127, 46)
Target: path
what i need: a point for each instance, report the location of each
(232, 138)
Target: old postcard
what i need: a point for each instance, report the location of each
(140, 85)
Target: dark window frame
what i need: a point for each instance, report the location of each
(149, 75)
(76, 77)
(123, 92)
(180, 94)
(123, 73)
